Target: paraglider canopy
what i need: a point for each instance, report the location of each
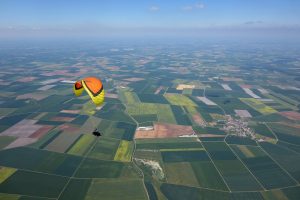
(93, 86)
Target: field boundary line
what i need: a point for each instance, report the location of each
(75, 171)
(133, 153)
(266, 124)
(279, 164)
(216, 167)
(246, 167)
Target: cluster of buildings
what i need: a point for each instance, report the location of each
(238, 127)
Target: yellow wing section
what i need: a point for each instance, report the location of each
(77, 91)
(98, 99)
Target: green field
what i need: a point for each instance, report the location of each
(117, 130)
(181, 173)
(289, 146)
(116, 189)
(5, 173)
(163, 111)
(9, 196)
(179, 192)
(82, 145)
(286, 102)
(6, 140)
(232, 169)
(286, 133)
(152, 98)
(274, 195)
(81, 186)
(258, 105)
(232, 139)
(267, 172)
(179, 100)
(92, 168)
(143, 108)
(207, 175)
(151, 155)
(182, 118)
(230, 104)
(247, 151)
(292, 192)
(184, 156)
(105, 149)
(145, 118)
(128, 97)
(124, 151)
(208, 130)
(90, 125)
(287, 159)
(41, 161)
(29, 183)
(262, 129)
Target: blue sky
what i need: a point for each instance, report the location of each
(134, 17)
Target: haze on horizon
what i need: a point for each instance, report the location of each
(144, 18)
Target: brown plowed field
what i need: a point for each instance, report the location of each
(162, 130)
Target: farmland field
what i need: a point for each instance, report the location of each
(181, 173)
(257, 162)
(104, 149)
(173, 191)
(81, 187)
(262, 129)
(231, 168)
(29, 183)
(287, 133)
(124, 151)
(82, 145)
(110, 189)
(99, 169)
(185, 119)
(41, 161)
(129, 97)
(287, 159)
(207, 175)
(6, 140)
(259, 106)
(6, 173)
(179, 100)
(163, 112)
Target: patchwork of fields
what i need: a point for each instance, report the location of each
(206, 126)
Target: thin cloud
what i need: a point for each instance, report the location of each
(253, 22)
(199, 5)
(187, 8)
(154, 8)
(196, 6)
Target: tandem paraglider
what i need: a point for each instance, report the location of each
(94, 87)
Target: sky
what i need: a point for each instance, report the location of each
(92, 18)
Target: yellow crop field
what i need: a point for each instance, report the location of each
(6, 172)
(191, 109)
(258, 105)
(179, 99)
(124, 151)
